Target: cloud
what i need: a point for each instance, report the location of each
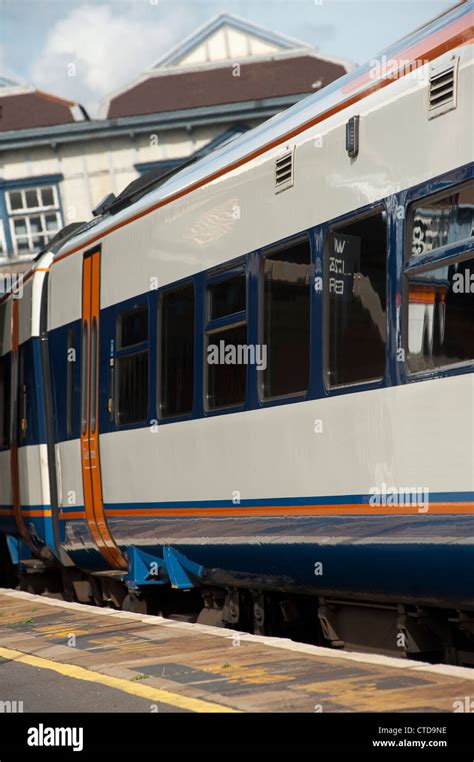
(96, 49)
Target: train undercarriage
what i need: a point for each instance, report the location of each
(399, 629)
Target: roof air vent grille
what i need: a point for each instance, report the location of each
(284, 177)
(443, 86)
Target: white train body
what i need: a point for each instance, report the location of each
(264, 491)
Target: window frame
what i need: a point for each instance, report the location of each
(226, 322)
(26, 213)
(275, 248)
(134, 349)
(32, 209)
(178, 286)
(333, 225)
(443, 256)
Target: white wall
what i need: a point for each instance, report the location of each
(93, 168)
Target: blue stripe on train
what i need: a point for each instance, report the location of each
(433, 497)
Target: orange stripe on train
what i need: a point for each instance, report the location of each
(300, 510)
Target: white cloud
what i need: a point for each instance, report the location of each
(97, 49)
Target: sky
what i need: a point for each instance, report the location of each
(84, 50)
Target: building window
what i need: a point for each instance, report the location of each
(285, 328)
(34, 217)
(356, 321)
(226, 341)
(440, 295)
(131, 367)
(176, 355)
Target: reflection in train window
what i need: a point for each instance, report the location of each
(285, 325)
(356, 322)
(176, 356)
(441, 220)
(441, 316)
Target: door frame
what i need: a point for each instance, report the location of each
(89, 419)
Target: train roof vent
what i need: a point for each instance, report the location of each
(443, 87)
(284, 174)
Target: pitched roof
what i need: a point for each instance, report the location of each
(282, 75)
(23, 107)
(187, 46)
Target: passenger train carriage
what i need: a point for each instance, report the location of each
(254, 379)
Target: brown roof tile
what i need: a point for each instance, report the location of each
(211, 87)
(33, 109)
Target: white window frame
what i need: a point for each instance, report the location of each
(26, 212)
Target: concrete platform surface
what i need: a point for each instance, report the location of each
(57, 656)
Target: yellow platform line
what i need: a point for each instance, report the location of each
(135, 689)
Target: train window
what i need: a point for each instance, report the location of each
(285, 326)
(131, 367)
(132, 327)
(356, 322)
(131, 385)
(441, 220)
(441, 316)
(4, 402)
(226, 382)
(226, 342)
(176, 368)
(227, 297)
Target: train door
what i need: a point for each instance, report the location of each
(18, 421)
(90, 453)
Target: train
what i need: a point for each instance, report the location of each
(251, 380)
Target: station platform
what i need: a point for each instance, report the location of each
(59, 656)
